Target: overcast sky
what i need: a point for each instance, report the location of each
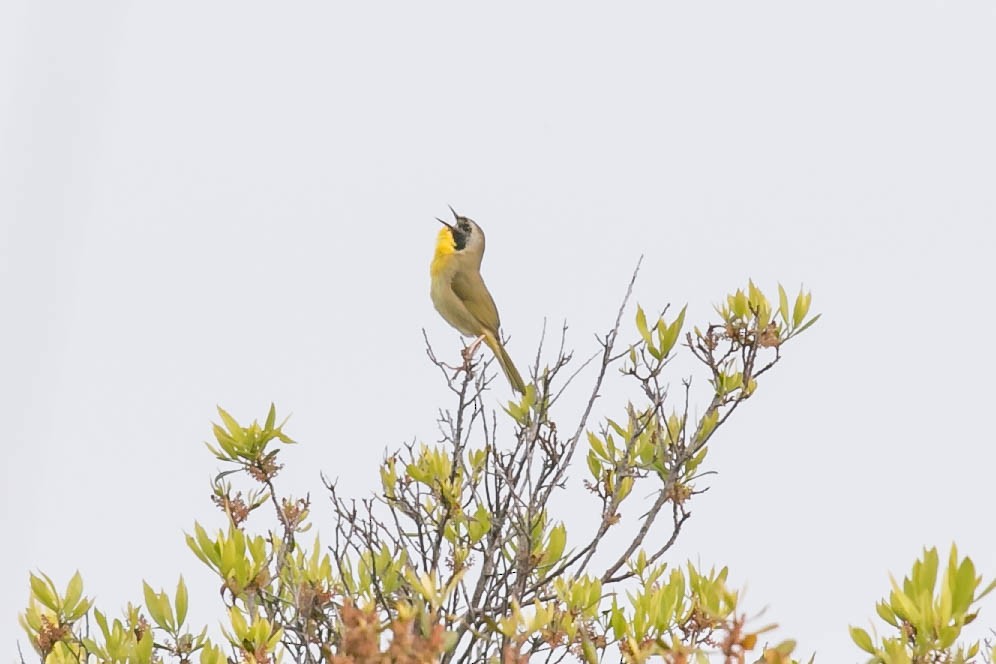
(232, 203)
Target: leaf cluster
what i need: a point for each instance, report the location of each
(927, 613)
(458, 557)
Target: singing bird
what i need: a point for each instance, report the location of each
(459, 294)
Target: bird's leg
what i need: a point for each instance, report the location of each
(468, 355)
(468, 352)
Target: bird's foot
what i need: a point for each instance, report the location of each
(468, 352)
(468, 358)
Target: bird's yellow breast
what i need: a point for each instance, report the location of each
(445, 248)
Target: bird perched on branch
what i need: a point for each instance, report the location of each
(459, 294)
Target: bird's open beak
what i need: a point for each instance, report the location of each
(446, 223)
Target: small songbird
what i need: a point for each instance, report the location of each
(459, 294)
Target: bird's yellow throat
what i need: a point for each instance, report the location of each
(445, 247)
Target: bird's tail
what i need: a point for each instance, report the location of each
(506, 363)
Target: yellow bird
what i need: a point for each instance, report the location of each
(459, 294)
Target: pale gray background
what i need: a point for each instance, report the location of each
(231, 203)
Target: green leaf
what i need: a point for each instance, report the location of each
(740, 304)
(152, 603)
(925, 572)
(233, 427)
(240, 627)
(641, 325)
(74, 591)
(783, 305)
(618, 622)
(588, 648)
(670, 337)
(594, 596)
(278, 634)
(208, 546)
(143, 651)
(211, 654)
(641, 562)
(594, 465)
(44, 591)
(801, 308)
(886, 614)
(985, 592)
(902, 605)
(964, 586)
(181, 602)
(808, 324)
(693, 464)
(707, 425)
(102, 623)
(159, 608)
(271, 417)
(518, 413)
(625, 486)
(227, 442)
(596, 445)
(943, 607)
(479, 526)
(79, 610)
(555, 544)
(623, 432)
(862, 639)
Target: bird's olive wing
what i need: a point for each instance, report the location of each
(474, 294)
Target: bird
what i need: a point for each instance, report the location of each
(459, 294)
